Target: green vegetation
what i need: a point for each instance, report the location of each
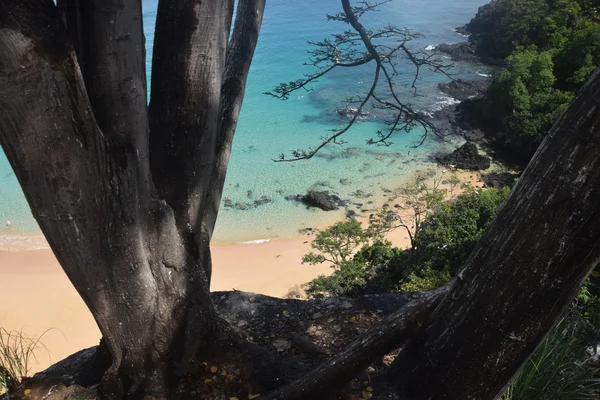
(363, 261)
(556, 370)
(525, 99)
(16, 353)
(552, 47)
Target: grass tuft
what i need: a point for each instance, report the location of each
(16, 353)
(556, 371)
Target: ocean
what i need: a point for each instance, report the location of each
(357, 172)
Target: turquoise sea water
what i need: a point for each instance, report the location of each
(268, 127)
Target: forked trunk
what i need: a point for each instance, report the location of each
(122, 207)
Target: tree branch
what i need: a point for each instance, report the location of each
(185, 109)
(239, 56)
(335, 373)
(112, 59)
(342, 51)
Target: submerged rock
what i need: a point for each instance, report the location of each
(465, 157)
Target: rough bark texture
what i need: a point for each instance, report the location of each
(331, 376)
(121, 214)
(527, 267)
(128, 195)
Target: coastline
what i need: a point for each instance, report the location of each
(38, 298)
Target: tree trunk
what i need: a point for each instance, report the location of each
(122, 206)
(528, 266)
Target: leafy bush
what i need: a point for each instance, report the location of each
(426, 280)
(346, 246)
(551, 48)
(363, 260)
(526, 104)
(448, 236)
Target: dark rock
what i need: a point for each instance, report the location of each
(322, 200)
(499, 180)
(240, 206)
(464, 52)
(249, 194)
(228, 203)
(350, 214)
(307, 231)
(465, 157)
(262, 201)
(463, 30)
(462, 89)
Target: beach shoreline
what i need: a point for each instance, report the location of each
(38, 298)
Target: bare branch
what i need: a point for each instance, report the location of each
(343, 50)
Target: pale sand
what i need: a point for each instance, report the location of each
(37, 297)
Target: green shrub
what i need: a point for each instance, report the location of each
(426, 280)
(448, 236)
(363, 260)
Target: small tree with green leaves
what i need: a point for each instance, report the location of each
(337, 245)
(419, 196)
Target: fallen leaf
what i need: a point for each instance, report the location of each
(253, 396)
(286, 313)
(213, 369)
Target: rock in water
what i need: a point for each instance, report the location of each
(462, 89)
(465, 157)
(322, 200)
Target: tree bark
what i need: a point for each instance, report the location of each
(121, 208)
(528, 266)
(331, 376)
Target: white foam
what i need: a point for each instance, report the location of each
(257, 241)
(430, 47)
(483, 74)
(444, 101)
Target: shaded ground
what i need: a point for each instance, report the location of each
(299, 333)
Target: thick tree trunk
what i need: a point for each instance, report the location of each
(527, 267)
(124, 224)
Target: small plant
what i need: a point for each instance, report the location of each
(556, 370)
(426, 280)
(454, 182)
(16, 354)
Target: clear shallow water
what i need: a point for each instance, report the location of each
(268, 127)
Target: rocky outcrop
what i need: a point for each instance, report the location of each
(462, 89)
(323, 200)
(319, 199)
(465, 157)
(464, 51)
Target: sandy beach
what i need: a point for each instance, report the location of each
(37, 297)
